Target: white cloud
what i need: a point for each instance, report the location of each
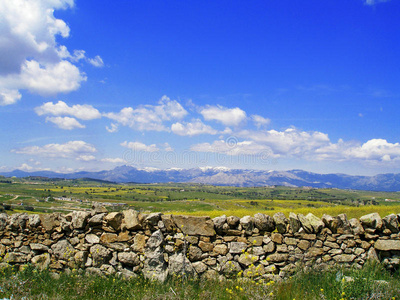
(237, 148)
(112, 128)
(96, 62)
(66, 123)
(72, 149)
(149, 117)
(226, 116)
(374, 149)
(260, 121)
(83, 112)
(30, 56)
(193, 128)
(373, 2)
(167, 147)
(114, 160)
(8, 97)
(138, 146)
(85, 158)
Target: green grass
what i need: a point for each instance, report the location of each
(371, 282)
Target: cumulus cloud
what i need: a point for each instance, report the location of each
(195, 127)
(83, 112)
(149, 117)
(96, 62)
(237, 148)
(226, 116)
(66, 123)
(114, 160)
(112, 128)
(260, 121)
(78, 150)
(30, 56)
(138, 146)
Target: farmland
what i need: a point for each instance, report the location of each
(43, 195)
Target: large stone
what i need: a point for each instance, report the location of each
(280, 222)
(247, 223)
(194, 253)
(344, 258)
(92, 238)
(373, 221)
(391, 223)
(18, 221)
(34, 221)
(237, 247)
(129, 258)
(3, 221)
(79, 219)
(155, 240)
(195, 225)
(344, 224)
(38, 247)
(294, 222)
(153, 218)
(155, 267)
(264, 222)
(313, 252)
(98, 208)
(231, 268)
(233, 221)
(100, 255)
(114, 220)
(15, 257)
(107, 238)
(247, 259)
(50, 221)
(219, 223)
(221, 249)
(278, 257)
(330, 222)
(387, 245)
(168, 222)
(63, 250)
(199, 267)
(97, 219)
(178, 264)
(139, 243)
(81, 258)
(41, 261)
(305, 223)
(356, 226)
(315, 222)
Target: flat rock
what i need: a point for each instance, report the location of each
(195, 225)
(373, 221)
(387, 245)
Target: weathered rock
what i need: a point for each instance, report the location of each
(231, 268)
(63, 250)
(315, 222)
(98, 208)
(237, 247)
(15, 257)
(219, 223)
(41, 261)
(194, 253)
(305, 223)
(264, 222)
(129, 258)
(155, 240)
(96, 219)
(294, 222)
(155, 267)
(343, 223)
(50, 221)
(107, 238)
(233, 221)
(38, 247)
(247, 259)
(356, 226)
(278, 257)
(277, 238)
(79, 219)
(92, 238)
(179, 265)
(199, 267)
(247, 223)
(100, 255)
(80, 258)
(169, 223)
(373, 221)
(256, 240)
(313, 252)
(33, 221)
(330, 222)
(18, 221)
(139, 243)
(344, 258)
(269, 247)
(280, 222)
(114, 220)
(221, 249)
(304, 244)
(195, 225)
(206, 247)
(153, 218)
(391, 223)
(387, 245)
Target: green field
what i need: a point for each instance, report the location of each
(42, 195)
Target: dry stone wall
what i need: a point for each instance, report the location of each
(157, 245)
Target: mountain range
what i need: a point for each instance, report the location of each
(230, 177)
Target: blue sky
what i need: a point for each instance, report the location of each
(90, 85)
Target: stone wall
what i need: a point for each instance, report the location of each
(159, 246)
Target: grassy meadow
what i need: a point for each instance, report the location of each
(38, 195)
